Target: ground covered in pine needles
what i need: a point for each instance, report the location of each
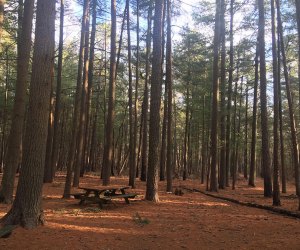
(189, 221)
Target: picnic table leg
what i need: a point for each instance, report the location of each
(100, 204)
(82, 199)
(125, 198)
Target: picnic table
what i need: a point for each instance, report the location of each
(103, 195)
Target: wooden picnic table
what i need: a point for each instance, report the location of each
(103, 195)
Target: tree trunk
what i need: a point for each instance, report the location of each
(170, 99)
(4, 111)
(2, 2)
(230, 81)
(297, 3)
(246, 135)
(48, 175)
(89, 131)
(75, 122)
(266, 166)
(222, 182)
(145, 106)
(12, 159)
(26, 209)
(215, 101)
(84, 92)
(108, 148)
(154, 125)
(252, 172)
(290, 105)
(57, 112)
(164, 137)
(276, 191)
(137, 76)
(132, 148)
(282, 154)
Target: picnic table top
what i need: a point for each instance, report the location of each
(104, 188)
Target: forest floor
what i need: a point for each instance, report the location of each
(191, 221)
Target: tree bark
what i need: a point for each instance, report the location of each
(246, 135)
(154, 125)
(132, 148)
(57, 112)
(252, 172)
(215, 101)
(230, 81)
(169, 84)
(266, 166)
(222, 182)
(108, 148)
(84, 92)
(276, 190)
(26, 209)
(75, 122)
(295, 146)
(145, 104)
(2, 2)
(12, 159)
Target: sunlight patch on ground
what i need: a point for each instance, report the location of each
(99, 229)
(52, 197)
(214, 204)
(209, 204)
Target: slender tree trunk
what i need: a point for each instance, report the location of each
(84, 92)
(48, 175)
(57, 112)
(246, 135)
(132, 148)
(4, 111)
(2, 2)
(187, 120)
(108, 148)
(252, 172)
(298, 25)
(170, 99)
(266, 166)
(121, 40)
(12, 159)
(76, 114)
(230, 81)
(290, 105)
(282, 154)
(222, 182)
(26, 209)
(164, 137)
(297, 3)
(203, 149)
(234, 133)
(276, 191)
(137, 78)
(215, 101)
(145, 106)
(154, 125)
(89, 131)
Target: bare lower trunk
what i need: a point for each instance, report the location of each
(12, 159)
(26, 209)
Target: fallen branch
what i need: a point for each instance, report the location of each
(248, 204)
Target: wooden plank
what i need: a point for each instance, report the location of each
(123, 196)
(78, 195)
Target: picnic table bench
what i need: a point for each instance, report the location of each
(104, 195)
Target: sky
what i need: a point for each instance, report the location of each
(72, 30)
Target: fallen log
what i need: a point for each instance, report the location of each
(277, 210)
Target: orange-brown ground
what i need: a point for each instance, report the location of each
(191, 221)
